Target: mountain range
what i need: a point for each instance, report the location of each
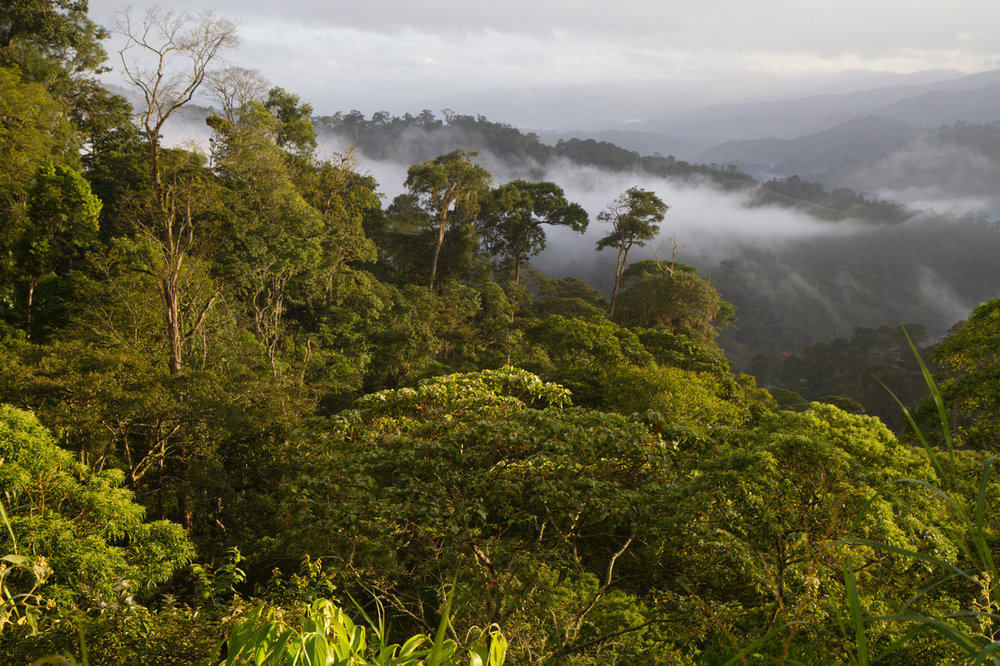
(809, 135)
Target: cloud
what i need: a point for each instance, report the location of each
(709, 225)
(860, 25)
(933, 173)
(936, 292)
(349, 55)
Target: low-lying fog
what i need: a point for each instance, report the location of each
(708, 223)
(793, 278)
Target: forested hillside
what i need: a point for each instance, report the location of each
(821, 260)
(254, 411)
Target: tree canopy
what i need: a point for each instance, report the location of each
(443, 183)
(634, 217)
(232, 411)
(512, 219)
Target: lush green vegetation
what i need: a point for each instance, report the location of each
(870, 263)
(249, 413)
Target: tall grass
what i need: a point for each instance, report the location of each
(976, 631)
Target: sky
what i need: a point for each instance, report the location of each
(399, 54)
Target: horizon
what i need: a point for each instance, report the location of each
(487, 60)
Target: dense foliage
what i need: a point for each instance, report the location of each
(247, 406)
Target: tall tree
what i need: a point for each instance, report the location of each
(513, 215)
(445, 182)
(177, 50)
(52, 42)
(295, 132)
(634, 216)
(33, 131)
(63, 216)
(271, 245)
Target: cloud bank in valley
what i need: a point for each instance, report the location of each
(933, 174)
(707, 223)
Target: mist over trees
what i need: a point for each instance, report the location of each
(245, 397)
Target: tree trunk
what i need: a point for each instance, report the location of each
(437, 248)
(31, 296)
(171, 312)
(619, 271)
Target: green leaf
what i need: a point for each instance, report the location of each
(854, 604)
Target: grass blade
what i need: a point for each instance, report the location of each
(984, 549)
(6, 521)
(916, 430)
(947, 498)
(437, 649)
(901, 641)
(938, 402)
(907, 553)
(854, 604)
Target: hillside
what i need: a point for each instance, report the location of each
(845, 260)
(953, 168)
(857, 140)
(928, 104)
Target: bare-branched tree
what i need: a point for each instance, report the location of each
(166, 57)
(234, 88)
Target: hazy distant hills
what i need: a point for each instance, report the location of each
(944, 107)
(814, 134)
(618, 105)
(950, 169)
(974, 98)
(644, 143)
(857, 140)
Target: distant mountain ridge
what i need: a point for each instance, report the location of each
(857, 140)
(944, 107)
(931, 104)
(813, 135)
(612, 105)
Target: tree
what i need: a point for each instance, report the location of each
(344, 197)
(770, 503)
(672, 297)
(579, 352)
(89, 529)
(694, 399)
(542, 510)
(512, 219)
(587, 343)
(295, 130)
(568, 296)
(235, 88)
(270, 245)
(443, 183)
(180, 47)
(63, 216)
(52, 42)
(633, 216)
(970, 363)
(33, 131)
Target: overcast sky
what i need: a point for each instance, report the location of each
(398, 54)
